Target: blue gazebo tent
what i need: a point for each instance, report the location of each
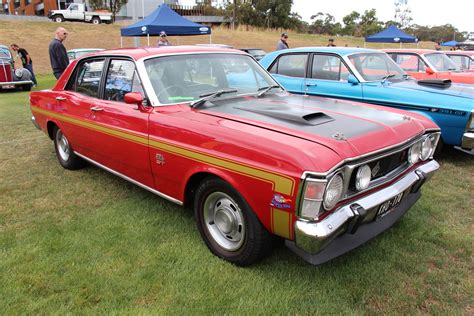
(164, 19)
(450, 43)
(392, 34)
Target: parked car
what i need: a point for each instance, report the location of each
(256, 53)
(11, 78)
(78, 12)
(429, 64)
(251, 159)
(464, 60)
(79, 52)
(371, 76)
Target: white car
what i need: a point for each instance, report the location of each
(76, 53)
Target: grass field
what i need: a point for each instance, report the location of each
(87, 242)
(35, 37)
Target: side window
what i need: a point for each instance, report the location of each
(292, 65)
(410, 62)
(73, 7)
(87, 78)
(328, 68)
(121, 79)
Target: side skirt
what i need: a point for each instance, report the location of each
(167, 197)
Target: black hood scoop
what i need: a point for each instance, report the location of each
(435, 83)
(290, 113)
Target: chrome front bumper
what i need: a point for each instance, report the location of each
(468, 140)
(355, 223)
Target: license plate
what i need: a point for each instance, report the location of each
(387, 206)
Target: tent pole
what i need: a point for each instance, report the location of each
(210, 38)
(148, 38)
(121, 42)
(400, 44)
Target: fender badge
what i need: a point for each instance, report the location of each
(279, 201)
(160, 159)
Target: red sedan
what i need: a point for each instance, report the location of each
(210, 129)
(429, 64)
(463, 59)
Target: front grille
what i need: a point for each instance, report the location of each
(382, 167)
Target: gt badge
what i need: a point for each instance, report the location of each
(279, 201)
(160, 159)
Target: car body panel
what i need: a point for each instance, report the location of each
(450, 107)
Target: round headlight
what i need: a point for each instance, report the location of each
(333, 192)
(414, 153)
(426, 148)
(363, 177)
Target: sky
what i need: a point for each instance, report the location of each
(459, 13)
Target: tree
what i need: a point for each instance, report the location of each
(369, 24)
(114, 6)
(351, 22)
(402, 13)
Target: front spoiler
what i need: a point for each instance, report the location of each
(354, 223)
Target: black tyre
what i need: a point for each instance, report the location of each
(227, 224)
(95, 20)
(58, 18)
(66, 156)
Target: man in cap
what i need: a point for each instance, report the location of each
(163, 41)
(282, 43)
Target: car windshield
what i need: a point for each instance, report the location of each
(185, 78)
(4, 53)
(441, 62)
(375, 66)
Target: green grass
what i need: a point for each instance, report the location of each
(88, 242)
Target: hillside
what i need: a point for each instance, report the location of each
(35, 38)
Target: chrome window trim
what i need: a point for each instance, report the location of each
(357, 73)
(149, 87)
(167, 197)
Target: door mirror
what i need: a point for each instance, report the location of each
(133, 98)
(429, 71)
(352, 80)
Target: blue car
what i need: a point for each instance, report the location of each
(372, 76)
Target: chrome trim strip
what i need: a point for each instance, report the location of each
(167, 197)
(14, 83)
(33, 120)
(312, 237)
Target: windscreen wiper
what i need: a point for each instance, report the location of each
(208, 96)
(387, 77)
(265, 90)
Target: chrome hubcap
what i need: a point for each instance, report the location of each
(63, 146)
(224, 221)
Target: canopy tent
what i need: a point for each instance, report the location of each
(392, 34)
(167, 20)
(450, 43)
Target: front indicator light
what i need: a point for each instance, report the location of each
(312, 199)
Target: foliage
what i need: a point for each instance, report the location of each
(402, 13)
(98, 4)
(441, 33)
(324, 23)
(115, 6)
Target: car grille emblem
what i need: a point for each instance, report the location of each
(376, 169)
(339, 136)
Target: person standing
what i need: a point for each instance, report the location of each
(331, 43)
(283, 42)
(57, 52)
(163, 41)
(26, 60)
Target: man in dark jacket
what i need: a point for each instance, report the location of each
(26, 60)
(57, 52)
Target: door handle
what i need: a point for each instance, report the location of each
(60, 98)
(96, 109)
(311, 84)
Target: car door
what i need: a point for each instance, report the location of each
(74, 105)
(290, 71)
(121, 140)
(75, 13)
(412, 64)
(328, 77)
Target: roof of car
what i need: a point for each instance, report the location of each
(84, 49)
(337, 50)
(140, 52)
(416, 51)
(460, 52)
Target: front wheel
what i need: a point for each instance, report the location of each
(66, 156)
(228, 225)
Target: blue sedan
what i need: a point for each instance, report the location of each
(372, 76)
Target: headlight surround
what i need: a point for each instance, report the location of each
(333, 192)
(363, 177)
(427, 146)
(414, 153)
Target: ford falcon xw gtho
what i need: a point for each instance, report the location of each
(210, 129)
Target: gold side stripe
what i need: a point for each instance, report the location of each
(281, 183)
(281, 223)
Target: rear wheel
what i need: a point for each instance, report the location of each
(66, 156)
(58, 18)
(228, 225)
(95, 20)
